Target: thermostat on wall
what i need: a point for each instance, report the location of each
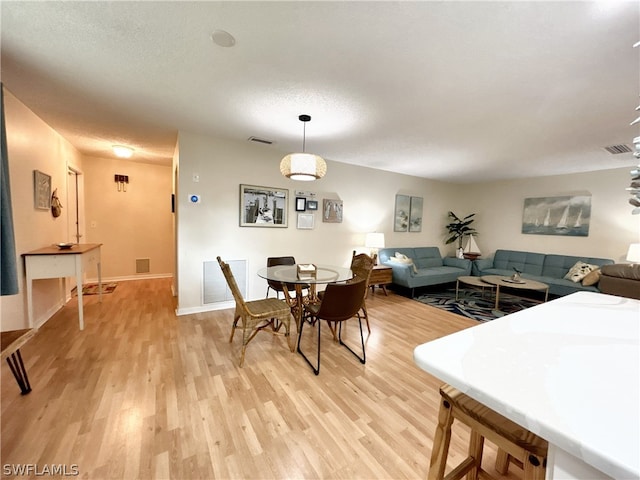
(193, 198)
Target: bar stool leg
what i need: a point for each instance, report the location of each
(502, 462)
(476, 445)
(534, 467)
(441, 442)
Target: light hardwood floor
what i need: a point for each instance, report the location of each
(141, 393)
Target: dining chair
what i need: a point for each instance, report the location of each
(256, 315)
(277, 286)
(361, 266)
(340, 302)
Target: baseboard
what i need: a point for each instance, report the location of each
(131, 277)
(205, 308)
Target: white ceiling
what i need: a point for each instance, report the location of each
(457, 91)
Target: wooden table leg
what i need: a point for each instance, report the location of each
(497, 296)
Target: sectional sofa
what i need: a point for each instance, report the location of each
(546, 268)
(422, 266)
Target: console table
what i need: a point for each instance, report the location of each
(53, 262)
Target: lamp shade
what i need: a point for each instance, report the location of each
(303, 166)
(633, 254)
(374, 240)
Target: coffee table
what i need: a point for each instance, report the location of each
(502, 281)
(474, 282)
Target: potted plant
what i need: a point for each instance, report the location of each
(458, 228)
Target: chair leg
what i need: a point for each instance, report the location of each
(234, 326)
(366, 316)
(316, 370)
(362, 359)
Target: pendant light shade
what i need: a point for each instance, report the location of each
(303, 166)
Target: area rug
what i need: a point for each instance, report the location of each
(92, 289)
(474, 304)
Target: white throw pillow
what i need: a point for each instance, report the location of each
(403, 259)
(579, 271)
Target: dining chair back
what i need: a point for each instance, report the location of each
(256, 315)
(362, 266)
(277, 286)
(340, 302)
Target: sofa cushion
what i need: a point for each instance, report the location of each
(592, 277)
(403, 259)
(579, 271)
(559, 265)
(525, 262)
(426, 257)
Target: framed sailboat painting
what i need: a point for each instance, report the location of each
(568, 216)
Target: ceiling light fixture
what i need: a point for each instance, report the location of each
(303, 166)
(122, 151)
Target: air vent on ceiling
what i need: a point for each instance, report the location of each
(260, 140)
(616, 149)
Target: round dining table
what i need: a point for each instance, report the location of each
(288, 275)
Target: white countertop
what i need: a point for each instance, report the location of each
(568, 370)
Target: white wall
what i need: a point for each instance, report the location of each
(499, 208)
(33, 145)
(212, 228)
(132, 224)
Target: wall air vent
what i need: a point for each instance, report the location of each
(260, 140)
(616, 149)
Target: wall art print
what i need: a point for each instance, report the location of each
(415, 215)
(567, 216)
(401, 213)
(263, 206)
(41, 190)
(331, 211)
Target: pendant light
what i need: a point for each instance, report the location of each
(303, 166)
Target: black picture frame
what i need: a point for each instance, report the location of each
(301, 204)
(312, 205)
(263, 206)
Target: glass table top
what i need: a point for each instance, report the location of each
(289, 274)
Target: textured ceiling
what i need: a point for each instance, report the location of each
(457, 91)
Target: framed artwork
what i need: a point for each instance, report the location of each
(415, 215)
(401, 213)
(312, 205)
(568, 216)
(263, 206)
(306, 221)
(41, 190)
(332, 211)
(301, 204)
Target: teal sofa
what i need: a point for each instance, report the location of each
(430, 267)
(545, 268)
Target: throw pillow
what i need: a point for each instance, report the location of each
(579, 271)
(591, 278)
(400, 258)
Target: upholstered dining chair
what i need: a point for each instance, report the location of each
(277, 286)
(340, 302)
(256, 315)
